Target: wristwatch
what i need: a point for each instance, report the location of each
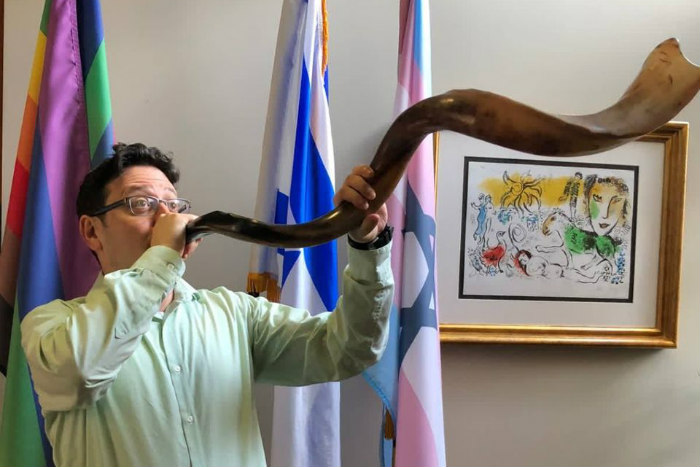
(382, 239)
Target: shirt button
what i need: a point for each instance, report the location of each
(177, 368)
(189, 419)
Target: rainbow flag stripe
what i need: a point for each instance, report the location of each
(66, 129)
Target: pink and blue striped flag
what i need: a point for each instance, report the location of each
(296, 185)
(408, 378)
(67, 127)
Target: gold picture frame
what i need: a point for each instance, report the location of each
(657, 324)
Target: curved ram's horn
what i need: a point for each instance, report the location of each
(666, 83)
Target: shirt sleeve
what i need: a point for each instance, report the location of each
(292, 347)
(76, 348)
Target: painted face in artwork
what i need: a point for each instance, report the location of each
(607, 205)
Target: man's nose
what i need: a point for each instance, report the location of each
(162, 207)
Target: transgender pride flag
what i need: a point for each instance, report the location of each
(67, 126)
(408, 378)
(296, 185)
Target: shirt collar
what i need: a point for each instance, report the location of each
(184, 292)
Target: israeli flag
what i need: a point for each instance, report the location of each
(296, 185)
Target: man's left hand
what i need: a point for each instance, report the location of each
(358, 192)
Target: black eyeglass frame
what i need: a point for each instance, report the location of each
(127, 202)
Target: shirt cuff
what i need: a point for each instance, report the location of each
(370, 265)
(163, 261)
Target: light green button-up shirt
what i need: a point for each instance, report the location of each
(121, 386)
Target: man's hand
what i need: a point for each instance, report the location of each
(169, 230)
(358, 192)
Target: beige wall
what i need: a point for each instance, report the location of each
(193, 77)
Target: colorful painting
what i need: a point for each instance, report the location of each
(536, 230)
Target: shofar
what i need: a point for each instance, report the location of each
(666, 83)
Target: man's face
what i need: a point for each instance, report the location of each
(606, 206)
(124, 237)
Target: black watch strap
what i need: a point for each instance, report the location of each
(382, 239)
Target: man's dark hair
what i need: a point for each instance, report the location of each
(93, 190)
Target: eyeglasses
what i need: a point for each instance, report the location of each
(147, 205)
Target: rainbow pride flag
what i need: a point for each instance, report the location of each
(408, 378)
(66, 129)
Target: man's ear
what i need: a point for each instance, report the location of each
(88, 231)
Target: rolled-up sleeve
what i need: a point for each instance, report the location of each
(292, 347)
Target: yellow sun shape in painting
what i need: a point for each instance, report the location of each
(521, 191)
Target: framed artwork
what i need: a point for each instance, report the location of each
(582, 250)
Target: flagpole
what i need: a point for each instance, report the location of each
(436, 161)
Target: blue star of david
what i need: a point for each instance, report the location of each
(419, 314)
